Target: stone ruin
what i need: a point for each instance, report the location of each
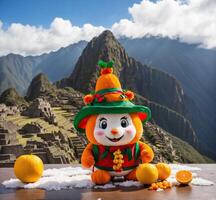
(32, 128)
(53, 147)
(8, 110)
(9, 147)
(41, 108)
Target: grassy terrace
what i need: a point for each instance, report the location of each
(63, 120)
(22, 120)
(23, 141)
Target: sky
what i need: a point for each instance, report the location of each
(33, 27)
(79, 12)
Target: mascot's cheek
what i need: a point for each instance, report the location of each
(129, 131)
(99, 133)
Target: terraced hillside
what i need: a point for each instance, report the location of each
(53, 143)
(168, 148)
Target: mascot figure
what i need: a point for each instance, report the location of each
(113, 126)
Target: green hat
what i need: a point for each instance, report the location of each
(108, 98)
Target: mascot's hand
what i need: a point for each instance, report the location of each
(87, 161)
(146, 156)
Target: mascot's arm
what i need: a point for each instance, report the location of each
(87, 158)
(146, 152)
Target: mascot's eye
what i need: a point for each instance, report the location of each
(103, 123)
(124, 122)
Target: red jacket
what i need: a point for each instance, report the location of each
(103, 156)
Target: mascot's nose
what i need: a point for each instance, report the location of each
(114, 131)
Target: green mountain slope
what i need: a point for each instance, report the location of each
(194, 68)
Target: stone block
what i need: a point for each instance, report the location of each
(13, 149)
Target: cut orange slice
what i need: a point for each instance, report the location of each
(184, 176)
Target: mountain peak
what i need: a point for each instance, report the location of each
(150, 83)
(107, 35)
(39, 84)
(11, 97)
(105, 47)
(40, 77)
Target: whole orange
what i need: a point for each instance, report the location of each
(147, 173)
(164, 171)
(28, 168)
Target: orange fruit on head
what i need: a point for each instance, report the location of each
(28, 168)
(184, 176)
(147, 173)
(164, 171)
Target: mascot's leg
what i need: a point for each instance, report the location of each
(132, 175)
(100, 177)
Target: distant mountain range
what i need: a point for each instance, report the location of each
(17, 71)
(175, 102)
(60, 64)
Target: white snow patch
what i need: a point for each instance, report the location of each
(67, 171)
(57, 179)
(106, 186)
(76, 177)
(129, 184)
(201, 181)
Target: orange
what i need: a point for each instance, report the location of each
(147, 173)
(184, 176)
(164, 171)
(28, 168)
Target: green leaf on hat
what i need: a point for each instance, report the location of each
(110, 63)
(102, 64)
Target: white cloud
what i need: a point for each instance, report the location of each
(32, 40)
(192, 21)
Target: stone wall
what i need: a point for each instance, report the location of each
(31, 128)
(8, 110)
(41, 108)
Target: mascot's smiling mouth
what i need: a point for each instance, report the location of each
(114, 139)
